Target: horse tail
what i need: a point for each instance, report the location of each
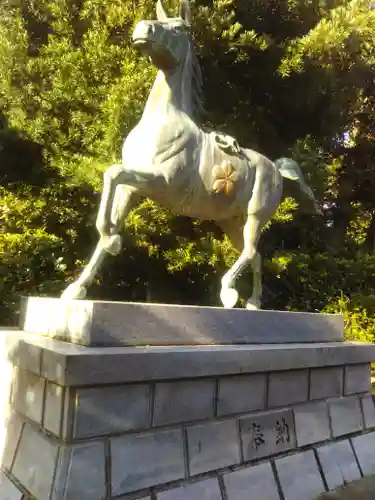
(294, 185)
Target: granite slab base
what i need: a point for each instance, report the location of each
(97, 323)
(184, 423)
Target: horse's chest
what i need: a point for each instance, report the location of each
(153, 146)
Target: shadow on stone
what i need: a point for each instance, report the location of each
(364, 489)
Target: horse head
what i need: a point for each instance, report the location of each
(167, 40)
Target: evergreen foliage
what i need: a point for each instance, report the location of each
(286, 77)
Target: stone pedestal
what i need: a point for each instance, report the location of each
(96, 414)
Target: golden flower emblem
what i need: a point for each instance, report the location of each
(224, 177)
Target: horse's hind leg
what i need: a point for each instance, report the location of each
(255, 300)
(249, 255)
(124, 200)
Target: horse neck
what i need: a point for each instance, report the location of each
(171, 93)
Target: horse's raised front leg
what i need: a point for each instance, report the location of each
(110, 240)
(119, 188)
(124, 200)
(249, 255)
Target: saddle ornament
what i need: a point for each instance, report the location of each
(227, 143)
(224, 177)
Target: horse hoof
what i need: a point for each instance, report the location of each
(74, 291)
(252, 305)
(112, 244)
(229, 297)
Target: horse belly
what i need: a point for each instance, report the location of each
(201, 202)
(227, 183)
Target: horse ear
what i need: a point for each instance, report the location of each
(185, 11)
(160, 11)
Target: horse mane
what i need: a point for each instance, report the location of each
(197, 96)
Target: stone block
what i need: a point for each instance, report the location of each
(213, 446)
(95, 323)
(346, 416)
(256, 482)
(21, 352)
(326, 382)
(241, 394)
(140, 461)
(35, 461)
(364, 447)
(338, 464)
(357, 379)
(288, 387)
(109, 410)
(28, 394)
(268, 433)
(77, 366)
(80, 472)
(299, 476)
(183, 401)
(68, 414)
(312, 423)
(13, 426)
(368, 410)
(8, 490)
(53, 408)
(208, 489)
(58, 319)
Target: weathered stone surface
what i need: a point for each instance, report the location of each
(13, 426)
(368, 409)
(357, 378)
(8, 490)
(55, 318)
(68, 414)
(338, 463)
(34, 464)
(28, 394)
(7, 371)
(256, 482)
(299, 476)
(133, 497)
(208, 489)
(213, 446)
(106, 410)
(183, 401)
(144, 460)
(268, 433)
(312, 423)
(21, 349)
(54, 400)
(81, 472)
(120, 323)
(345, 415)
(288, 387)
(241, 393)
(73, 365)
(364, 447)
(326, 382)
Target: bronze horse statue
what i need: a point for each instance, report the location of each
(204, 174)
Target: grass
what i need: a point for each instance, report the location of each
(363, 489)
